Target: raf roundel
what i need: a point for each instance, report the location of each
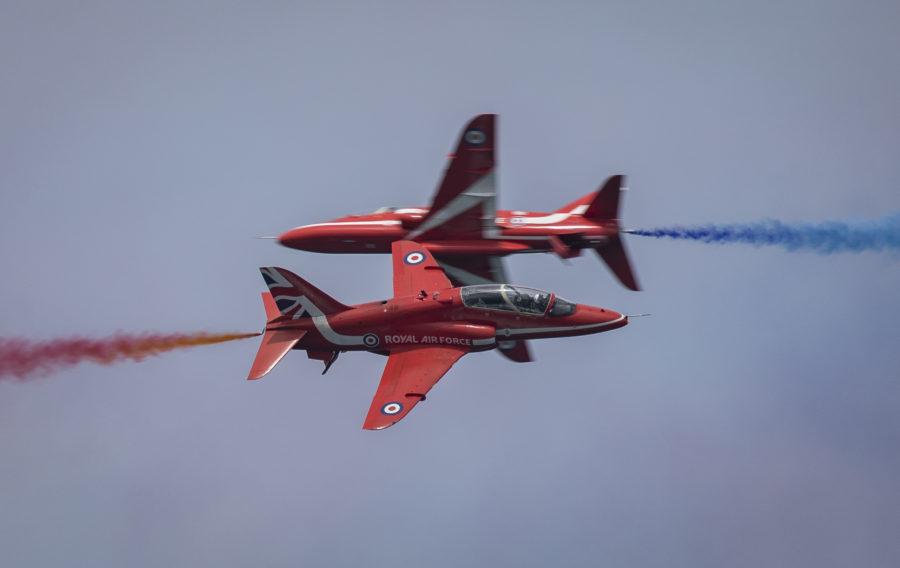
(414, 258)
(392, 408)
(475, 137)
(370, 340)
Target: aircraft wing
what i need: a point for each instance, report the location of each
(415, 269)
(407, 378)
(465, 270)
(484, 269)
(464, 202)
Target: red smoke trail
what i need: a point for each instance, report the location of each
(23, 358)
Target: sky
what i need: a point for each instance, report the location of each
(752, 420)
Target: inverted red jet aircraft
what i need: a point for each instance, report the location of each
(425, 328)
(465, 233)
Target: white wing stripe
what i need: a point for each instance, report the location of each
(482, 191)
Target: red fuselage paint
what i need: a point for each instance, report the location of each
(439, 318)
(517, 232)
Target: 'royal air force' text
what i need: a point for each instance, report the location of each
(427, 339)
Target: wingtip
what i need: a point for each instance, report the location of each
(375, 425)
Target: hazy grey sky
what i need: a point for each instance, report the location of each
(754, 420)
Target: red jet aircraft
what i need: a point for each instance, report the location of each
(425, 328)
(465, 233)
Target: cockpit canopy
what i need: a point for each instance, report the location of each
(519, 299)
(506, 297)
(409, 217)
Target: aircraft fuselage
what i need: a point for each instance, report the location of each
(510, 232)
(475, 318)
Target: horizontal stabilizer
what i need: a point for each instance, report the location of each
(275, 345)
(617, 259)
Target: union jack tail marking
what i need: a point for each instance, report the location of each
(295, 297)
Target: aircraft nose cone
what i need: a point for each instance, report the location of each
(298, 238)
(613, 316)
(594, 319)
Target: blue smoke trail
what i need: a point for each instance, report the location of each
(824, 238)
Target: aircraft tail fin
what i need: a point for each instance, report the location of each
(578, 206)
(605, 204)
(296, 298)
(602, 206)
(599, 205)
